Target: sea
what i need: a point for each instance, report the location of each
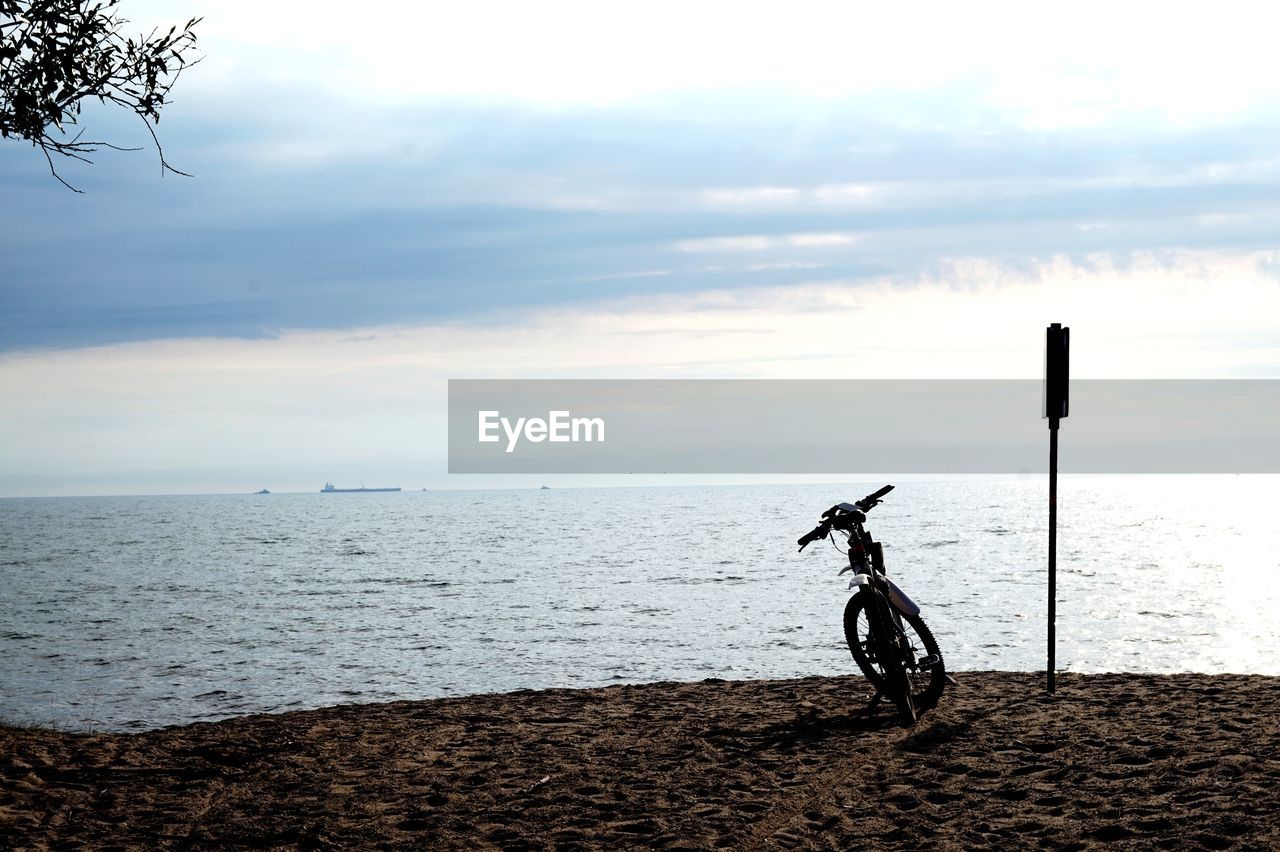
(132, 613)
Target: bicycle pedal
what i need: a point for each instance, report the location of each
(929, 661)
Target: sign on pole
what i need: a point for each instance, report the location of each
(1057, 371)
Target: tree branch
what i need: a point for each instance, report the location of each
(56, 53)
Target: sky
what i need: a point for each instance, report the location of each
(389, 198)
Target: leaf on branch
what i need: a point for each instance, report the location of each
(56, 53)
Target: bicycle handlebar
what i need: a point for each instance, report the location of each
(820, 531)
(843, 516)
(877, 495)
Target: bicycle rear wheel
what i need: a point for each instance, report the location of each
(918, 651)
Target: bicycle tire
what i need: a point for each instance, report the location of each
(926, 684)
(896, 684)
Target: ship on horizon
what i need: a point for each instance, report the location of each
(329, 489)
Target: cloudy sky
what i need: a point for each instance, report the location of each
(389, 197)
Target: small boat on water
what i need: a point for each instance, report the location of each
(263, 491)
(329, 489)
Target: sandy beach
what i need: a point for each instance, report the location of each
(1136, 761)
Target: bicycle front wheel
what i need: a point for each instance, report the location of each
(918, 651)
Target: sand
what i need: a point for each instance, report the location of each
(1115, 761)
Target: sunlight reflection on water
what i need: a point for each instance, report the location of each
(136, 612)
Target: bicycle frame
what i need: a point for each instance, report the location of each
(873, 574)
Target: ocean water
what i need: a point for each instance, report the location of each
(128, 613)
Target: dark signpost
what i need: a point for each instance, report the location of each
(1057, 345)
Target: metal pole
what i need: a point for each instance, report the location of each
(1053, 543)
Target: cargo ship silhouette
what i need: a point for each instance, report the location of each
(329, 489)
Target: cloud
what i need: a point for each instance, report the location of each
(386, 197)
(1029, 65)
(328, 197)
(751, 196)
(762, 243)
(308, 404)
(485, 215)
(727, 244)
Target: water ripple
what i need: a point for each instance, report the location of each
(129, 613)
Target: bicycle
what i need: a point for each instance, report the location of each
(886, 635)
